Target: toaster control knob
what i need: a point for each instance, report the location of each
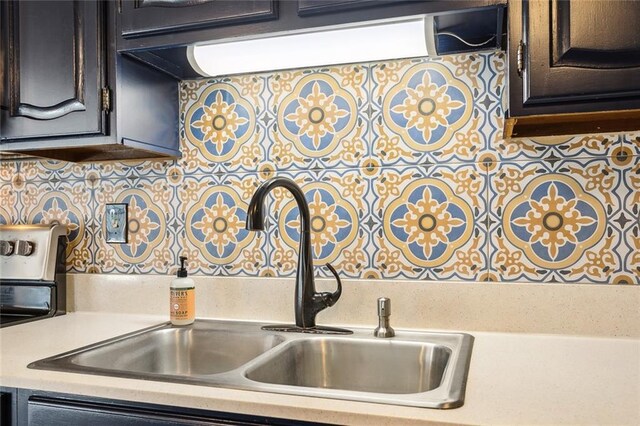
(24, 248)
(6, 248)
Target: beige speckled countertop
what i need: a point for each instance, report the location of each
(514, 378)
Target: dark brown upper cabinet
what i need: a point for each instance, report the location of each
(147, 17)
(573, 56)
(66, 94)
(54, 73)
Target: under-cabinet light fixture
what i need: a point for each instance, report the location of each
(404, 38)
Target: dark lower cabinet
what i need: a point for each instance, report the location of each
(66, 94)
(49, 412)
(8, 406)
(37, 408)
(573, 56)
(5, 408)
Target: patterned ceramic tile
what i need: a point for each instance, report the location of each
(7, 170)
(223, 128)
(491, 101)
(563, 222)
(429, 222)
(66, 203)
(317, 117)
(8, 204)
(632, 141)
(629, 218)
(338, 206)
(631, 273)
(132, 169)
(56, 171)
(496, 83)
(12, 181)
(151, 242)
(428, 110)
(213, 212)
(553, 148)
(190, 90)
(18, 172)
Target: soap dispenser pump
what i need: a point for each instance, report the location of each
(183, 298)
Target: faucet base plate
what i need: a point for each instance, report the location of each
(290, 328)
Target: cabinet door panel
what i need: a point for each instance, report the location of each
(594, 35)
(147, 17)
(7, 408)
(581, 50)
(52, 51)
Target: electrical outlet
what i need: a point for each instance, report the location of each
(115, 219)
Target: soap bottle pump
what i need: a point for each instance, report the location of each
(183, 298)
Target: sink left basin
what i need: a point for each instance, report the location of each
(200, 349)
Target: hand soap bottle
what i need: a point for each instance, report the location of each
(183, 297)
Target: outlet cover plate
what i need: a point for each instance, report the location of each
(115, 220)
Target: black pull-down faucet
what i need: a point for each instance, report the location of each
(308, 302)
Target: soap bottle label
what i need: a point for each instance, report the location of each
(183, 304)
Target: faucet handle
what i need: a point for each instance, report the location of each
(332, 298)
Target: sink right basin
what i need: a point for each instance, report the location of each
(356, 365)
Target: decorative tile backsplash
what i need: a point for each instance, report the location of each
(404, 168)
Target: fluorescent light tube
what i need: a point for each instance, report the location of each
(370, 42)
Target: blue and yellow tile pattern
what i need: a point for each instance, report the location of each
(403, 165)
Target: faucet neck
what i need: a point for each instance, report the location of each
(305, 309)
(307, 301)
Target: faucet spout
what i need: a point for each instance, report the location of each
(308, 302)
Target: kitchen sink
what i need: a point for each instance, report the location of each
(414, 368)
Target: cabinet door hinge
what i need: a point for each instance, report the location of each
(106, 99)
(520, 58)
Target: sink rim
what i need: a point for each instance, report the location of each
(449, 394)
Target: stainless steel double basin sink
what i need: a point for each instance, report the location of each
(420, 369)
